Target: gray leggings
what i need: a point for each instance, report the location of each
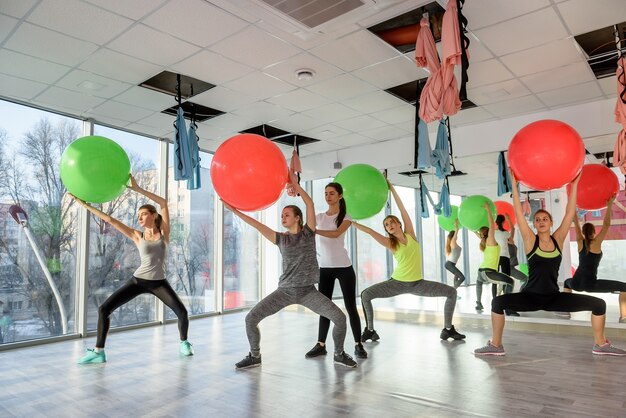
(307, 296)
(392, 287)
(492, 276)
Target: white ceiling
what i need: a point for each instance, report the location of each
(523, 60)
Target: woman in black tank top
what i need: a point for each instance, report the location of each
(589, 255)
(542, 291)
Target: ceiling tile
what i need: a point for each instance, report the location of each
(356, 50)
(297, 123)
(92, 84)
(146, 99)
(375, 101)
(469, 116)
(156, 47)
(286, 70)
(135, 9)
(583, 92)
(262, 113)
(78, 102)
(122, 111)
(255, 48)
(16, 8)
(497, 92)
(75, 18)
(397, 115)
(299, 100)
(318, 147)
(581, 16)
(231, 122)
(19, 88)
(487, 12)
(609, 86)
(119, 66)
(211, 67)
(360, 123)
(477, 51)
(352, 140)
(149, 130)
(49, 45)
(327, 132)
(205, 25)
(391, 73)
(331, 112)
(514, 35)
(544, 57)
(384, 133)
(223, 99)
(159, 120)
(518, 106)
(486, 72)
(6, 26)
(342, 87)
(25, 66)
(259, 85)
(213, 133)
(568, 75)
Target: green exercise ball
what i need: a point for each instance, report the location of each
(448, 223)
(95, 169)
(365, 190)
(523, 268)
(472, 214)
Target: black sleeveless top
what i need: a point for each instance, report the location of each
(543, 269)
(588, 263)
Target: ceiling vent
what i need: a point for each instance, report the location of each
(314, 13)
(601, 50)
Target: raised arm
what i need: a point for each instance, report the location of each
(512, 231)
(607, 221)
(265, 230)
(491, 236)
(129, 232)
(308, 202)
(455, 235)
(406, 219)
(381, 239)
(159, 200)
(337, 232)
(528, 236)
(570, 213)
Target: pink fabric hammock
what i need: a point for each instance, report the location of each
(440, 94)
(296, 167)
(619, 153)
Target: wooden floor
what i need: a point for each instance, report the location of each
(410, 373)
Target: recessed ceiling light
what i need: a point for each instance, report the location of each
(305, 74)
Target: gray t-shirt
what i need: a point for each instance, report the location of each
(300, 266)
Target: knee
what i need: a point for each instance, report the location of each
(599, 307)
(452, 292)
(250, 320)
(104, 311)
(497, 305)
(365, 296)
(182, 312)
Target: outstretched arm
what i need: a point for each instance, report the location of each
(607, 221)
(406, 219)
(528, 236)
(455, 235)
(491, 236)
(265, 230)
(382, 240)
(308, 202)
(337, 232)
(159, 200)
(512, 231)
(570, 212)
(123, 228)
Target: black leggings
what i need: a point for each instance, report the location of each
(559, 302)
(583, 283)
(505, 267)
(130, 290)
(347, 281)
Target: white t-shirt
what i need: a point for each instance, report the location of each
(331, 252)
(502, 238)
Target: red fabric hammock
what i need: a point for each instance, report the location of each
(619, 153)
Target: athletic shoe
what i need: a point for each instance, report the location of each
(186, 348)
(490, 350)
(511, 312)
(607, 349)
(479, 306)
(359, 351)
(457, 282)
(565, 315)
(93, 356)
(345, 360)
(369, 335)
(249, 361)
(318, 350)
(451, 333)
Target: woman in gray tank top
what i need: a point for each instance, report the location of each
(148, 278)
(453, 252)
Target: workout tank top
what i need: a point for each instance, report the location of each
(502, 238)
(455, 254)
(588, 263)
(152, 255)
(543, 269)
(331, 252)
(491, 257)
(409, 258)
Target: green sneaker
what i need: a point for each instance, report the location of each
(186, 348)
(93, 356)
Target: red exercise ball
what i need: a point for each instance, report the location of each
(546, 154)
(505, 208)
(249, 172)
(596, 185)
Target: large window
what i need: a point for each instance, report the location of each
(37, 255)
(112, 257)
(372, 257)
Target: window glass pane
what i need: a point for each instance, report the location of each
(41, 249)
(372, 257)
(431, 248)
(190, 261)
(113, 258)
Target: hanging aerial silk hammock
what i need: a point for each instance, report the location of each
(182, 153)
(194, 182)
(443, 206)
(504, 180)
(441, 153)
(619, 152)
(296, 167)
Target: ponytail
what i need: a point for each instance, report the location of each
(587, 230)
(342, 203)
(158, 221)
(483, 233)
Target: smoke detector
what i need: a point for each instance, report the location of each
(305, 74)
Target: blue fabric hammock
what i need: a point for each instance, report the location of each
(504, 180)
(443, 206)
(194, 182)
(441, 153)
(182, 152)
(425, 152)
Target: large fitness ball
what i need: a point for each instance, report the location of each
(95, 169)
(505, 208)
(472, 212)
(365, 190)
(596, 185)
(447, 223)
(546, 154)
(249, 172)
